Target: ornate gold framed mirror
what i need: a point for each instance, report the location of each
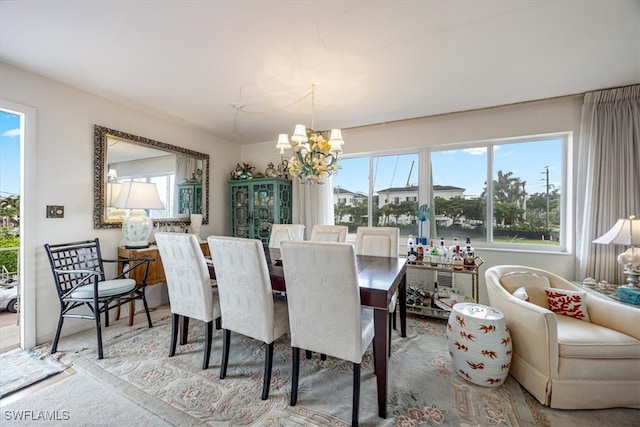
(181, 177)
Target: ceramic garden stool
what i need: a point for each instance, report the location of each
(479, 344)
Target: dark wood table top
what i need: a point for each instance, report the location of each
(378, 277)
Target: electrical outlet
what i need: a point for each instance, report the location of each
(55, 211)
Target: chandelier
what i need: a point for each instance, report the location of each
(314, 157)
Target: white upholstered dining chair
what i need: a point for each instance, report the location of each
(247, 303)
(192, 293)
(280, 232)
(324, 307)
(382, 242)
(329, 233)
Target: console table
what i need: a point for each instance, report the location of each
(155, 274)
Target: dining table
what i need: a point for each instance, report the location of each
(379, 278)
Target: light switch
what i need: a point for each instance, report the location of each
(55, 211)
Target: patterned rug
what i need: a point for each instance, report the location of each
(20, 368)
(422, 390)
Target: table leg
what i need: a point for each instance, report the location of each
(402, 294)
(132, 311)
(381, 325)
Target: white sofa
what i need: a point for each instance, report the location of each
(562, 361)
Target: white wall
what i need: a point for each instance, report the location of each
(539, 117)
(64, 173)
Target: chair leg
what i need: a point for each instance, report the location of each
(307, 354)
(218, 323)
(208, 333)
(356, 394)
(226, 339)
(98, 333)
(175, 319)
(184, 333)
(295, 370)
(394, 319)
(54, 345)
(323, 356)
(268, 364)
(146, 307)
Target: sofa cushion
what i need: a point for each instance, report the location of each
(521, 293)
(569, 303)
(585, 340)
(534, 285)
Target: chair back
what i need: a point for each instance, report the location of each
(187, 275)
(377, 241)
(244, 286)
(84, 255)
(280, 232)
(323, 296)
(329, 233)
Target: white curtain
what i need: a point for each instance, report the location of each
(186, 167)
(608, 185)
(312, 204)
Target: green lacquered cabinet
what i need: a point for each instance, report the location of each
(190, 198)
(258, 203)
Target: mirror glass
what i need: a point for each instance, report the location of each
(181, 177)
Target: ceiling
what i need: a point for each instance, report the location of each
(243, 70)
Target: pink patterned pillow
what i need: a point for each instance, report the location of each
(569, 303)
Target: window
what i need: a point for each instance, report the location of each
(524, 206)
(390, 182)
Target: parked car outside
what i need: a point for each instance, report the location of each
(9, 298)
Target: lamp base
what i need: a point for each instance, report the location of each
(136, 229)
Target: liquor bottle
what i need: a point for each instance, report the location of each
(434, 255)
(452, 248)
(457, 263)
(434, 295)
(469, 256)
(411, 253)
(443, 255)
(419, 251)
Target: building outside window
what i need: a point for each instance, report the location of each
(525, 205)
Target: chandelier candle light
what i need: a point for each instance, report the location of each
(314, 158)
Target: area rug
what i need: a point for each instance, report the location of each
(21, 368)
(422, 388)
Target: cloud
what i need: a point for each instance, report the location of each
(11, 132)
(478, 151)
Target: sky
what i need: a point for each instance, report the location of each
(9, 154)
(465, 168)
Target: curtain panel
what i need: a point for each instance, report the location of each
(608, 186)
(312, 204)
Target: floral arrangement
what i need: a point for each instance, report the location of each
(312, 161)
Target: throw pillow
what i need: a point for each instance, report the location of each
(569, 303)
(521, 293)
(535, 284)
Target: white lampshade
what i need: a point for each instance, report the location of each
(624, 232)
(336, 140)
(300, 134)
(137, 227)
(283, 142)
(113, 191)
(112, 175)
(138, 195)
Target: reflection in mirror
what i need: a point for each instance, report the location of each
(181, 177)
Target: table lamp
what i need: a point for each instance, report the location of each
(626, 232)
(137, 226)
